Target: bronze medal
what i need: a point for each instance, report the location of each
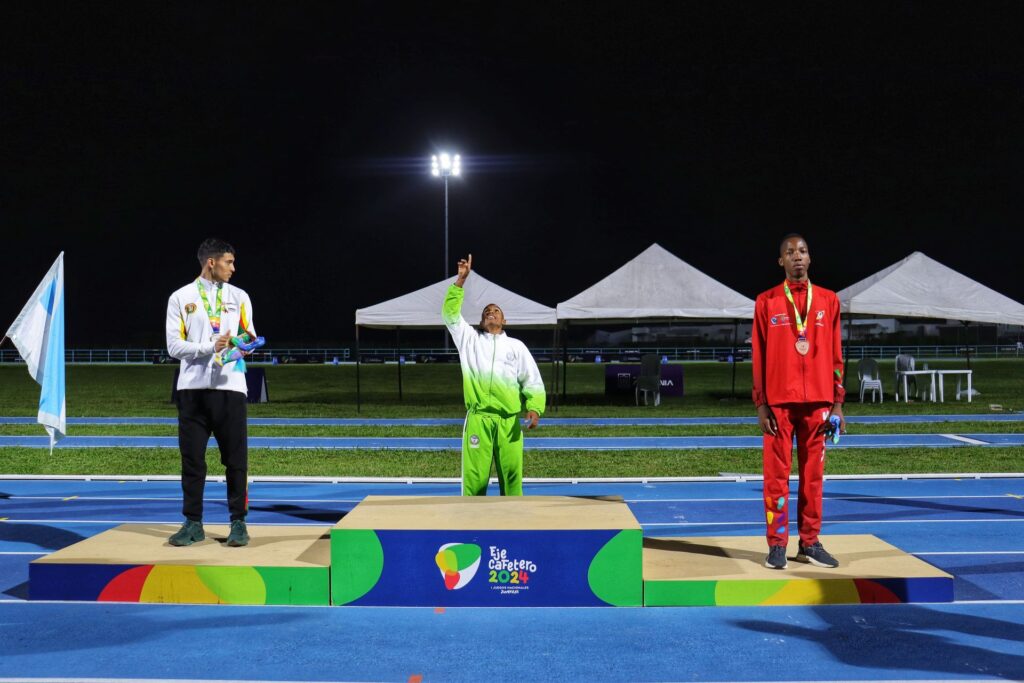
(802, 345)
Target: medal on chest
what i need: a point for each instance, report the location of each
(803, 345)
(212, 312)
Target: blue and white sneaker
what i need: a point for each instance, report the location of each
(816, 555)
(776, 557)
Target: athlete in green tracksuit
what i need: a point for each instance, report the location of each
(498, 375)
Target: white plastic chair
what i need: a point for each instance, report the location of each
(904, 362)
(867, 373)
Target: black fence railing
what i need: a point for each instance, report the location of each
(541, 354)
(157, 356)
(701, 353)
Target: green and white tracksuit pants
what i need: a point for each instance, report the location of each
(490, 436)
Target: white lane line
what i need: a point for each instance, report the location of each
(864, 521)
(219, 680)
(176, 521)
(965, 439)
(968, 552)
(18, 552)
(154, 680)
(909, 552)
(178, 499)
(864, 498)
(867, 498)
(755, 522)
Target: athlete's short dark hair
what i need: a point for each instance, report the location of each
(788, 237)
(213, 248)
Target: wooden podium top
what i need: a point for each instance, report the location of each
(482, 513)
(269, 546)
(732, 558)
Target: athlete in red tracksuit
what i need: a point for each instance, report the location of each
(798, 364)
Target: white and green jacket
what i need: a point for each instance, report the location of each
(498, 372)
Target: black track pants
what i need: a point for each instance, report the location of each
(222, 413)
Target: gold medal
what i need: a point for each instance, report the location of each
(803, 346)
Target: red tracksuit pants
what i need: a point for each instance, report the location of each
(801, 420)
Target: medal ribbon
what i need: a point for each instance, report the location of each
(214, 316)
(801, 323)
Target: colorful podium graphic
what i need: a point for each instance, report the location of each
(729, 570)
(134, 563)
(496, 552)
(480, 552)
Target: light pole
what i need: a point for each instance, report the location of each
(441, 166)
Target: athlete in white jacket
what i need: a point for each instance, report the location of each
(202, 317)
(498, 376)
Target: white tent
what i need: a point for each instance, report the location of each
(422, 308)
(656, 285)
(921, 287)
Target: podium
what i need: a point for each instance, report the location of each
(284, 565)
(441, 551)
(729, 571)
(487, 552)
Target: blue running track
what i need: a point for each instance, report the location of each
(534, 443)
(553, 421)
(970, 527)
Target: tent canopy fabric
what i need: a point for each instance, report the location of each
(921, 287)
(656, 285)
(422, 308)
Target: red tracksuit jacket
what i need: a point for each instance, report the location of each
(781, 374)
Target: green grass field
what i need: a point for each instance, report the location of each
(435, 391)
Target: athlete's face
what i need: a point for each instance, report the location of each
(221, 268)
(492, 319)
(795, 258)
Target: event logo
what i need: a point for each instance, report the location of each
(821, 314)
(458, 563)
(510, 574)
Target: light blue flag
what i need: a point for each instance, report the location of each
(38, 334)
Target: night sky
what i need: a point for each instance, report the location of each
(302, 132)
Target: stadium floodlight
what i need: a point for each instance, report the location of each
(443, 165)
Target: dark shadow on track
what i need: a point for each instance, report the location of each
(913, 507)
(19, 592)
(1005, 577)
(907, 637)
(309, 514)
(144, 625)
(42, 535)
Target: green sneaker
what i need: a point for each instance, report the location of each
(238, 536)
(189, 533)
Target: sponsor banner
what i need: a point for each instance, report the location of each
(620, 378)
